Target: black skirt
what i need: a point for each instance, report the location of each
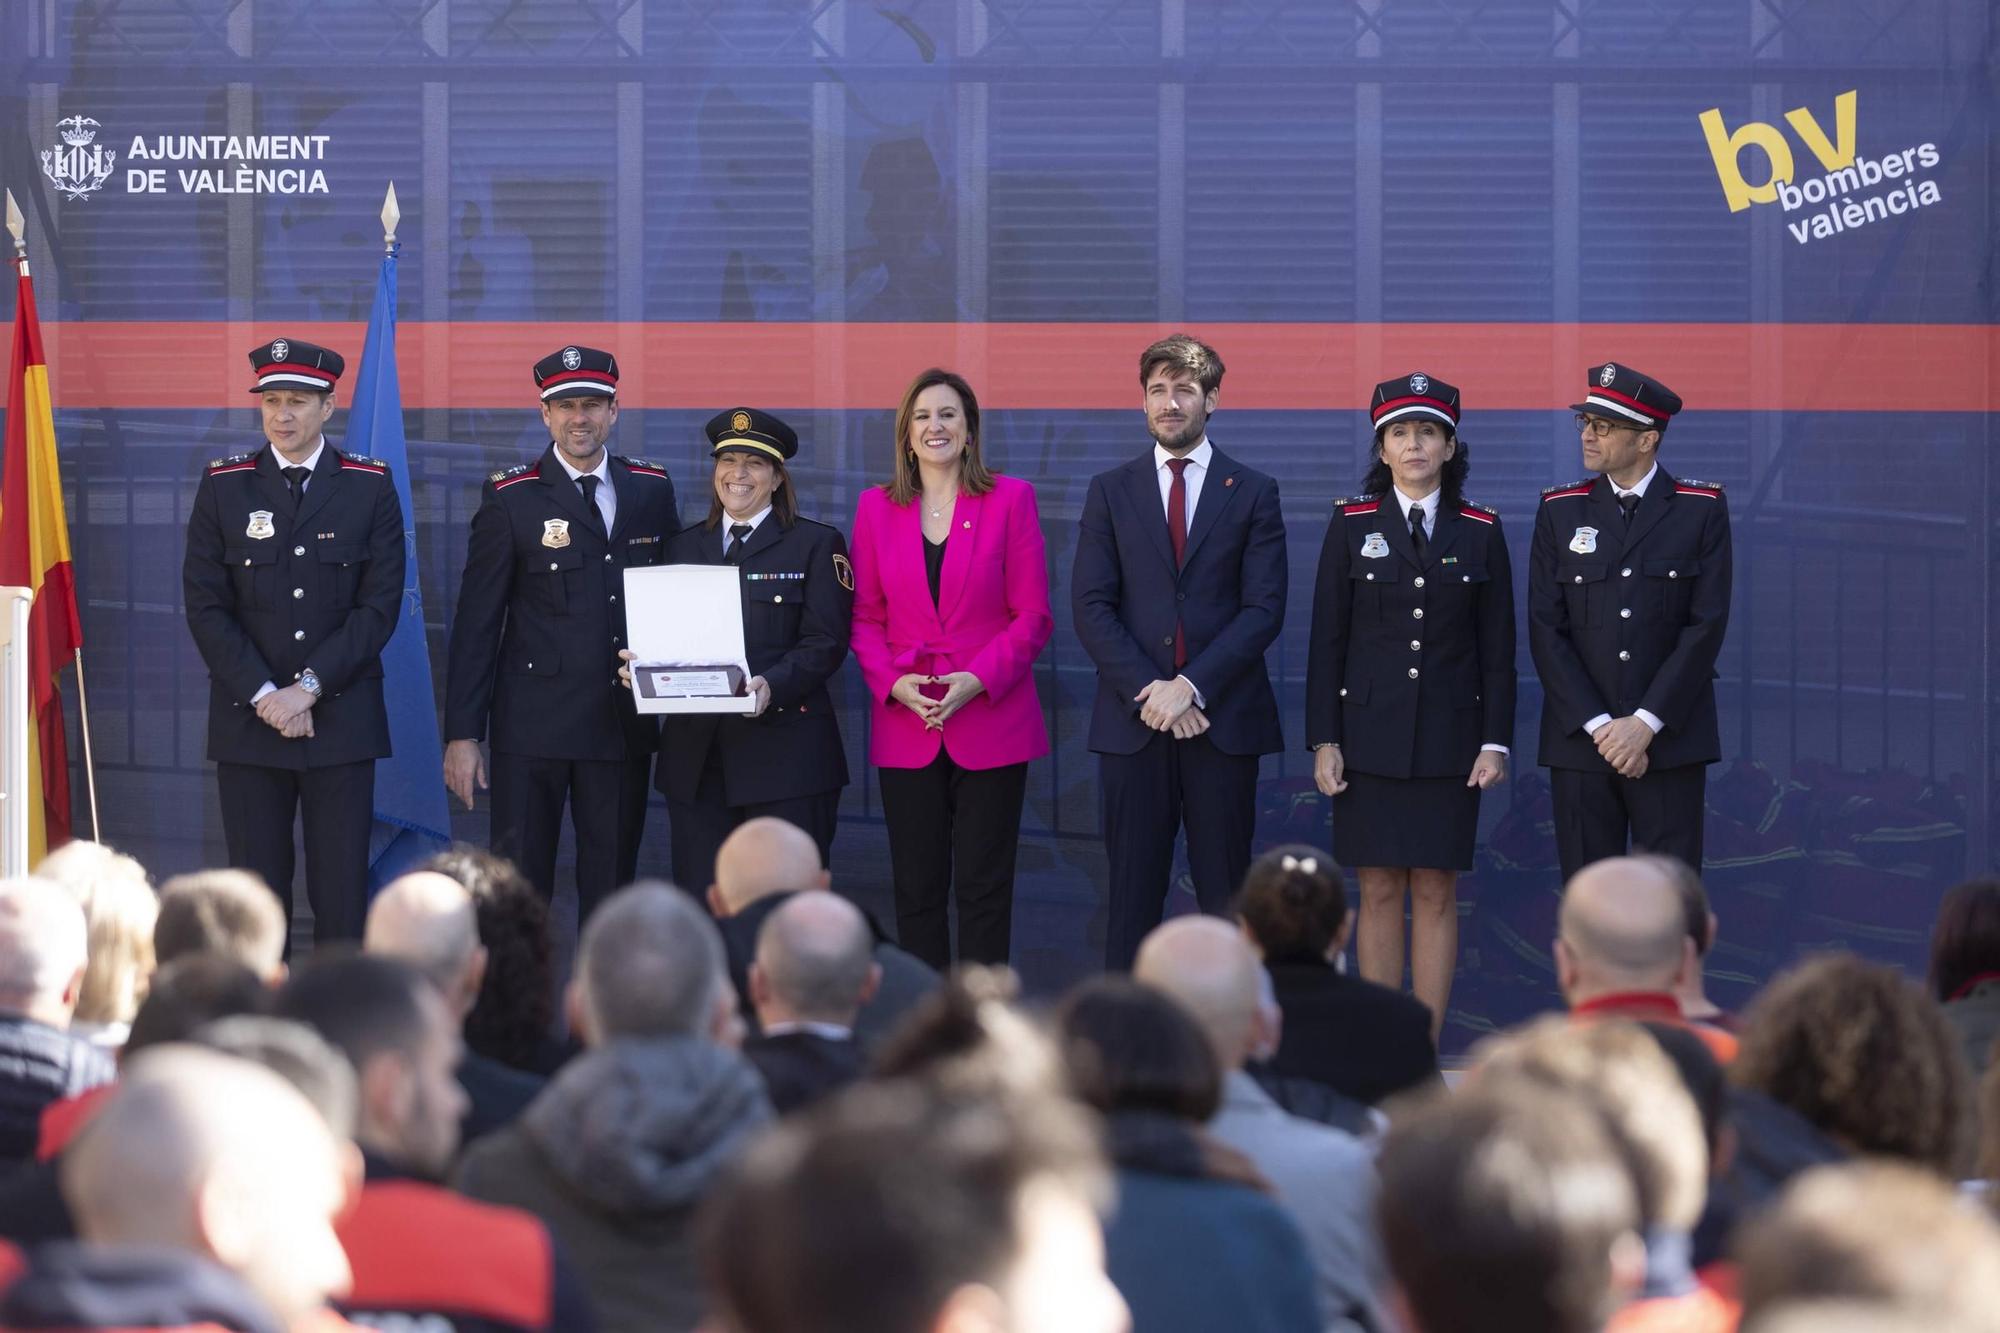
(1408, 823)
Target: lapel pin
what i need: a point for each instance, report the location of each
(1229, 481)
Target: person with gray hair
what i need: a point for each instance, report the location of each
(814, 971)
(43, 950)
(619, 1151)
(428, 920)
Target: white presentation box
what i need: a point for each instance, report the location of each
(685, 621)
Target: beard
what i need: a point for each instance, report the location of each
(1176, 438)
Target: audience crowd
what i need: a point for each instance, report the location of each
(749, 1111)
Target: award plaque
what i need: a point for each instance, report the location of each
(685, 627)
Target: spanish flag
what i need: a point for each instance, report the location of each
(34, 553)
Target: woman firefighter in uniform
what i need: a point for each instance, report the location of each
(1410, 682)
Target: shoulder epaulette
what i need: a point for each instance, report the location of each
(233, 462)
(1479, 513)
(1358, 504)
(1689, 486)
(375, 465)
(642, 466)
(511, 474)
(1569, 488)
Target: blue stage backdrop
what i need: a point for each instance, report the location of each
(1784, 211)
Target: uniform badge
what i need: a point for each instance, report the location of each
(1584, 542)
(1420, 384)
(555, 532)
(844, 571)
(571, 358)
(740, 422)
(280, 350)
(260, 524)
(1374, 547)
(1607, 375)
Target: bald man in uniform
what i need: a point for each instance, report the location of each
(1622, 947)
(204, 1193)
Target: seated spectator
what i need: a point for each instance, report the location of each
(43, 948)
(1324, 1178)
(419, 1251)
(427, 919)
(204, 1192)
(814, 972)
(970, 1038)
(1506, 1211)
(762, 864)
(513, 1019)
(1363, 1040)
(1622, 948)
(895, 1208)
(626, 1141)
(1965, 967)
(1617, 1070)
(119, 906)
(1196, 1242)
(229, 912)
(1875, 1235)
(1699, 920)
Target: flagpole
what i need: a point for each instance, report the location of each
(17, 225)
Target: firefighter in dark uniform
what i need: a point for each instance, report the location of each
(1410, 682)
(1628, 599)
(786, 758)
(293, 579)
(534, 646)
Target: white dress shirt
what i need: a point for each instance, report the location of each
(1429, 504)
(1590, 727)
(607, 498)
(1191, 477)
(755, 521)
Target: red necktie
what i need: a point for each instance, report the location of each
(1177, 534)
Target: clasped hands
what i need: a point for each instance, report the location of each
(1168, 705)
(1623, 741)
(288, 711)
(960, 689)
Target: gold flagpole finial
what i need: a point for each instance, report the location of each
(391, 215)
(18, 225)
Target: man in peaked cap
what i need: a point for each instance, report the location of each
(293, 579)
(1628, 599)
(533, 662)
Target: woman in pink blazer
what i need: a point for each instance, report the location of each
(951, 608)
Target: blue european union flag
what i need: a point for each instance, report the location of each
(411, 817)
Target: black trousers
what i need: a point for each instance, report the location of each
(699, 827)
(607, 812)
(337, 807)
(1150, 795)
(1594, 812)
(954, 831)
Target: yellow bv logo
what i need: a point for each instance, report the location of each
(1726, 147)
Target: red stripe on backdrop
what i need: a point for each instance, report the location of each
(1518, 367)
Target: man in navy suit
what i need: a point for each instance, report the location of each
(1177, 590)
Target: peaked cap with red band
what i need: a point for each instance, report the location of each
(577, 372)
(1414, 395)
(1621, 394)
(287, 363)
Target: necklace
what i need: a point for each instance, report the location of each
(937, 510)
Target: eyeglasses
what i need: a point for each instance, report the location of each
(1598, 427)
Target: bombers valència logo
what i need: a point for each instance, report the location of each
(1854, 192)
(78, 167)
(169, 164)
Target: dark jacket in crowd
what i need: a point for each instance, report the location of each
(1362, 1040)
(799, 1068)
(906, 979)
(71, 1287)
(1773, 1144)
(39, 1065)
(1975, 1017)
(495, 1095)
(1194, 1245)
(615, 1156)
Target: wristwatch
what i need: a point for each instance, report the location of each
(309, 682)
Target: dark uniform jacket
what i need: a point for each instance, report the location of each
(1621, 619)
(541, 613)
(1227, 595)
(270, 592)
(1411, 665)
(798, 607)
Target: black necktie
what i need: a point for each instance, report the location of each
(1417, 538)
(739, 533)
(1627, 504)
(589, 485)
(295, 477)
